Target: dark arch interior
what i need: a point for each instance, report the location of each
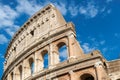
(20, 70)
(87, 77)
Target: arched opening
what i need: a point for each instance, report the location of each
(62, 48)
(86, 77)
(31, 66)
(45, 59)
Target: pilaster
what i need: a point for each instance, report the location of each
(74, 48)
(53, 56)
(100, 71)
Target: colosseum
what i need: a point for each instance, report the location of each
(45, 33)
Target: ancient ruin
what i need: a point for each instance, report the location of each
(45, 33)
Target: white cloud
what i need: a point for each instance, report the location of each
(62, 7)
(104, 50)
(92, 38)
(90, 11)
(63, 53)
(73, 9)
(103, 9)
(7, 16)
(12, 30)
(9, 31)
(102, 42)
(3, 39)
(109, 11)
(109, 1)
(117, 35)
(86, 47)
(1, 56)
(83, 10)
(28, 7)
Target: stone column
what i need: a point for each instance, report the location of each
(26, 71)
(8, 77)
(38, 61)
(35, 63)
(100, 71)
(16, 74)
(53, 56)
(23, 72)
(74, 48)
(39, 64)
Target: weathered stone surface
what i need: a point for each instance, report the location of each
(45, 33)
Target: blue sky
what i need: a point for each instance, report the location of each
(97, 22)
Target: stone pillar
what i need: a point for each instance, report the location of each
(35, 63)
(8, 77)
(16, 74)
(73, 76)
(22, 71)
(100, 71)
(74, 48)
(26, 71)
(38, 61)
(53, 56)
(23, 68)
(12, 75)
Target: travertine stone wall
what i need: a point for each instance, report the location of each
(114, 69)
(45, 33)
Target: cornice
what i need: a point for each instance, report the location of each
(27, 23)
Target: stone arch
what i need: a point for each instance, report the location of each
(62, 51)
(87, 76)
(40, 58)
(31, 66)
(45, 59)
(27, 66)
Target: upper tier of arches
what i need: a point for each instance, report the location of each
(36, 27)
(31, 20)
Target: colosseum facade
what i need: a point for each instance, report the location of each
(45, 33)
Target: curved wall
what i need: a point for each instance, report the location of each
(45, 31)
(44, 34)
(38, 26)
